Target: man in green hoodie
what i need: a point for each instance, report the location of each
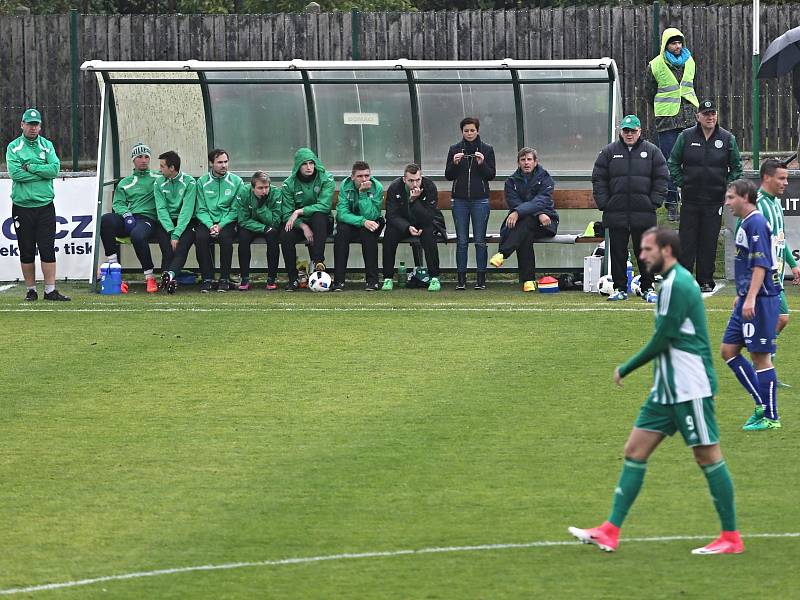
(260, 207)
(358, 217)
(32, 166)
(216, 212)
(175, 205)
(307, 201)
(670, 86)
(134, 215)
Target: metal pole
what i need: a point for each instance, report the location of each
(656, 28)
(73, 50)
(756, 108)
(355, 31)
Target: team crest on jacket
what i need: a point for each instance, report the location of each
(41, 155)
(643, 154)
(718, 144)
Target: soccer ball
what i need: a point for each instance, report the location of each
(319, 281)
(605, 285)
(636, 285)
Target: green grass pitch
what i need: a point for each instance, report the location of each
(140, 434)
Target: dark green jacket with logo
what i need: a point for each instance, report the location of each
(135, 195)
(216, 199)
(355, 207)
(175, 203)
(32, 187)
(314, 196)
(259, 214)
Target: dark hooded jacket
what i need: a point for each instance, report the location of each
(531, 195)
(628, 186)
(470, 179)
(401, 213)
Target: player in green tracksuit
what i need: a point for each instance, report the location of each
(681, 398)
(134, 215)
(358, 218)
(307, 202)
(175, 205)
(32, 165)
(216, 214)
(260, 210)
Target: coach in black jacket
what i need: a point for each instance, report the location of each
(629, 182)
(412, 211)
(704, 160)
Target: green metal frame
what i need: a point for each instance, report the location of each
(112, 123)
(75, 69)
(416, 130)
(207, 110)
(518, 108)
(101, 185)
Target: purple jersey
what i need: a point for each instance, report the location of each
(754, 249)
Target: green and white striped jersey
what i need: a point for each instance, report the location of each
(771, 208)
(682, 366)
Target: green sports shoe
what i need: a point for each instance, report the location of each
(763, 424)
(781, 384)
(757, 415)
(434, 285)
(388, 285)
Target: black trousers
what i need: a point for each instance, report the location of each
(345, 234)
(146, 230)
(203, 249)
(177, 258)
(427, 239)
(272, 238)
(619, 257)
(520, 239)
(699, 232)
(35, 228)
(321, 226)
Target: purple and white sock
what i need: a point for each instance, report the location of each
(768, 389)
(747, 376)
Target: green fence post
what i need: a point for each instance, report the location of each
(73, 51)
(355, 30)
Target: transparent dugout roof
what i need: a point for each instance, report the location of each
(388, 113)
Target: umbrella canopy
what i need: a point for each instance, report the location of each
(781, 56)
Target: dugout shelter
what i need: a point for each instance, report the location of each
(388, 112)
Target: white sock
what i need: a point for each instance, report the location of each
(49, 287)
(149, 274)
(111, 258)
(32, 287)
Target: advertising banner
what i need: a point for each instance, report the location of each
(75, 206)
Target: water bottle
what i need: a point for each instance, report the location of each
(110, 278)
(630, 273)
(402, 276)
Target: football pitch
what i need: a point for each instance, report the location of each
(365, 445)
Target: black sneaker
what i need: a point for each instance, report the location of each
(223, 285)
(207, 286)
(56, 296)
(372, 287)
(168, 282)
(337, 287)
(707, 288)
(292, 286)
(31, 296)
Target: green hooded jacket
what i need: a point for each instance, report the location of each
(216, 199)
(314, 196)
(134, 194)
(32, 187)
(355, 207)
(259, 214)
(175, 202)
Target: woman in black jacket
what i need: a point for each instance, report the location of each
(470, 166)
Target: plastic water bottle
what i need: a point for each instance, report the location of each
(401, 275)
(110, 278)
(630, 273)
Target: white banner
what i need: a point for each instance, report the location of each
(75, 203)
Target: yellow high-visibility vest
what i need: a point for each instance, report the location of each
(667, 102)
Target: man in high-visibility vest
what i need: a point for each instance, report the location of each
(670, 85)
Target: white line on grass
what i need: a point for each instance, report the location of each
(346, 309)
(353, 555)
(8, 286)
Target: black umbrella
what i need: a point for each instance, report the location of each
(781, 56)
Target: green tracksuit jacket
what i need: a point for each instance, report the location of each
(259, 214)
(216, 199)
(33, 187)
(134, 194)
(313, 196)
(355, 207)
(175, 203)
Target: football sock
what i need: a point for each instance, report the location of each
(148, 274)
(32, 287)
(768, 390)
(630, 482)
(721, 488)
(747, 376)
(111, 258)
(49, 287)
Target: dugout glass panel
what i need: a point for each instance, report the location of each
(566, 122)
(261, 124)
(363, 121)
(443, 105)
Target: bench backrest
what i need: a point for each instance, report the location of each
(562, 199)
